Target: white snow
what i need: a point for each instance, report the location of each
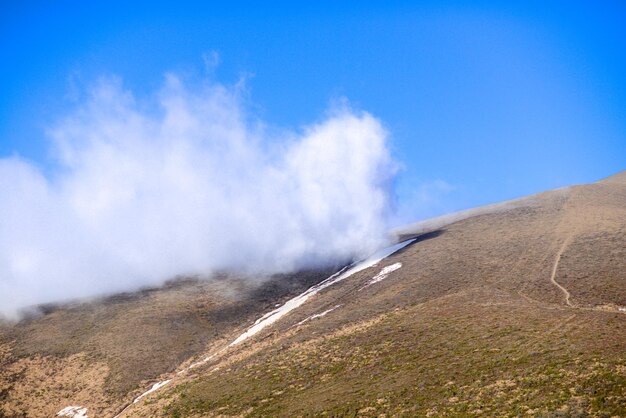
(319, 315)
(201, 362)
(382, 275)
(273, 316)
(73, 412)
(154, 387)
(282, 310)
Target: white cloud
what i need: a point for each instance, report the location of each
(186, 183)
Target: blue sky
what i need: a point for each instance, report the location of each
(485, 101)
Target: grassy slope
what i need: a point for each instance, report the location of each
(431, 359)
(470, 325)
(102, 354)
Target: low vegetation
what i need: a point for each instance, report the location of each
(427, 362)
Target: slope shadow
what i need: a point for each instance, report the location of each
(277, 290)
(282, 287)
(418, 238)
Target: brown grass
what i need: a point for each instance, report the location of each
(470, 325)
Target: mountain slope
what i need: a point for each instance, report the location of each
(476, 321)
(511, 309)
(99, 353)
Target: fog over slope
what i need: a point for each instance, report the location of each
(186, 182)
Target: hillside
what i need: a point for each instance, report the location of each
(512, 309)
(100, 352)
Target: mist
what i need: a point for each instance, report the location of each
(186, 181)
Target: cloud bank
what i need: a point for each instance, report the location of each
(186, 182)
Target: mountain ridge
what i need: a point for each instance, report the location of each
(515, 309)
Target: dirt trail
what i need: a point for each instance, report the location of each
(554, 268)
(566, 293)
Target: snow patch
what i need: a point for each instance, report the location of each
(73, 412)
(319, 315)
(201, 362)
(154, 387)
(273, 316)
(382, 275)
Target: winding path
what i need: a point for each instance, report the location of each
(554, 268)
